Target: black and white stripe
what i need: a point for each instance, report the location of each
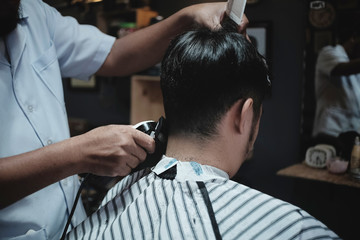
(146, 206)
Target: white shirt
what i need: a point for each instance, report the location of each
(43, 48)
(187, 200)
(337, 97)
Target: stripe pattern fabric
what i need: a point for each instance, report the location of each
(146, 206)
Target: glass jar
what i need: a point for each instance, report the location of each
(355, 160)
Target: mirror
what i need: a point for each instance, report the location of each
(325, 22)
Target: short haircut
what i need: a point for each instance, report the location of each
(203, 73)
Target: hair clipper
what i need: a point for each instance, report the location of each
(158, 131)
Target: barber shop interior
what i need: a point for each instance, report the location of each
(307, 149)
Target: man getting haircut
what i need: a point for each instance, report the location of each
(213, 84)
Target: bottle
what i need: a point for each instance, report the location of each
(355, 160)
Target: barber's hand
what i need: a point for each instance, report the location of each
(114, 150)
(211, 14)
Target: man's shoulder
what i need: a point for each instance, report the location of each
(36, 12)
(238, 190)
(247, 212)
(337, 50)
(31, 7)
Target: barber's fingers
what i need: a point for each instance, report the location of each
(132, 142)
(139, 153)
(243, 25)
(134, 154)
(121, 170)
(137, 149)
(118, 166)
(144, 141)
(131, 162)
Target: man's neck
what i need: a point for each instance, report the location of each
(205, 152)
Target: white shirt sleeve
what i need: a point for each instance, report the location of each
(81, 49)
(329, 57)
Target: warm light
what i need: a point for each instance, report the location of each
(85, 1)
(92, 1)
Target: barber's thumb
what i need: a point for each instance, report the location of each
(145, 141)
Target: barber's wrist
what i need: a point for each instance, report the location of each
(182, 20)
(79, 154)
(187, 18)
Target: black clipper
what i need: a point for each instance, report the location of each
(158, 131)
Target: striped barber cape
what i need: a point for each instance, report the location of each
(186, 200)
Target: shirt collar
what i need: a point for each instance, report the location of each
(189, 170)
(3, 59)
(22, 12)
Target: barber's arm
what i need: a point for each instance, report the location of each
(145, 47)
(108, 151)
(347, 68)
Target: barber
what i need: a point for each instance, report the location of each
(337, 84)
(39, 162)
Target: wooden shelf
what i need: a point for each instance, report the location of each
(146, 99)
(301, 170)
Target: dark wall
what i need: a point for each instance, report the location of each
(277, 145)
(108, 103)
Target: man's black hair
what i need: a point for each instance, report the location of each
(203, 73)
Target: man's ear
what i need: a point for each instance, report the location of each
(243, 114)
